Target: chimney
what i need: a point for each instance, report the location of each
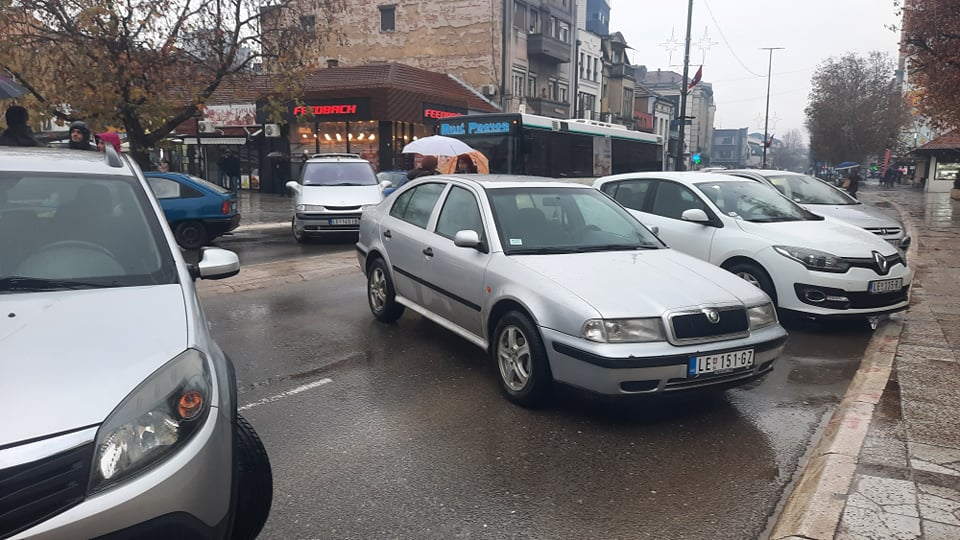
(332, 62)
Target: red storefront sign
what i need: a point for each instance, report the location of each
(325, 110)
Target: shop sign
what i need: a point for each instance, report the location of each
(333, 110)
(235, 114)
(432, 112)
(475, 128)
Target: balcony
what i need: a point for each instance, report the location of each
(621, 71)
(548, 49)
(548, 107)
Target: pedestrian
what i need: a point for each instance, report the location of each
(164, 165)
(428, 166)
(80, 136)
(465, 165)
(852, 183)
(887, 179)
(230, 169)
(108, 137)
(18, 133)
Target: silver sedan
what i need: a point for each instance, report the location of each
(561, 284)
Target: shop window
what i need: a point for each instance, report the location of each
(388, 18)
(947, 170)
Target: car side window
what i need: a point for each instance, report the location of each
(633, 194)
(460, 212)
(673, 199)
(164, 188)
(416, 205)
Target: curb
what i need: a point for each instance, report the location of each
(815, 506)
(259, 276)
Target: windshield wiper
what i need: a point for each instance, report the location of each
(30, 284)
(774, 219)
(615, 247)
(540, 251)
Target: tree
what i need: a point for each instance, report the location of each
(856, 108)
(146, 66)
(931, 33)
(792, 155)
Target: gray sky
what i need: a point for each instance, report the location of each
(810, 30)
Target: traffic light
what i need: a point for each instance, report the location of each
(696, 158)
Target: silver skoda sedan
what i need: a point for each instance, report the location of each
(119, 410)
(561, 284)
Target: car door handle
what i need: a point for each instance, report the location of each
(428, 252)
(387, 234)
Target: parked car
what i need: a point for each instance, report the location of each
(330, 194)
(197, 210)
(821, 198)
(560, 284)
(396, 179)
(810, 264)
(120, 409)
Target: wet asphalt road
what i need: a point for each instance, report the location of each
(398, 431)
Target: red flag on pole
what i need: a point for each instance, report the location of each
(696, 78)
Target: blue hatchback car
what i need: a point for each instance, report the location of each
(197, 210)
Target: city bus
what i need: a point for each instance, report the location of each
(556, 148)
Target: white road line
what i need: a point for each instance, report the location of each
(286, 394)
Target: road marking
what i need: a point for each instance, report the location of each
(286, 394)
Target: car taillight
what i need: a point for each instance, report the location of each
(226, 207)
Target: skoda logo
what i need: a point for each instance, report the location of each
(712, 315)
(881, 262)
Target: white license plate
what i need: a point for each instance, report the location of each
(885, 285)
(720, 363)
(344, 221)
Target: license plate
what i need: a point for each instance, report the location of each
(344, 221)
(720, 363)
(885, 285)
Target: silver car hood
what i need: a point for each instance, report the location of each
(830, 235)
(641, 283)
(860, 215)
(340, 195)
(116, 339)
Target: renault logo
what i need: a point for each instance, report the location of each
(881, 262)
(712, 315)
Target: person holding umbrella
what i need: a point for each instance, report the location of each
(428, 166)
(18, 133)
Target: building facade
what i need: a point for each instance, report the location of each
(661, 113)
(617, 93)
(730, 148)
(698, 136)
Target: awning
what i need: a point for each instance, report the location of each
(187, 139)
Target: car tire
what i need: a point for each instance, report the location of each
(255, 483)
(381, 296)
(298, 236)
(521, 360)
(755, 274)
(190, 234)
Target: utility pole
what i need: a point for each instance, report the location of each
(680, 165)
(766, 116)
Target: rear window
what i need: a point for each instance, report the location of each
(338, 173)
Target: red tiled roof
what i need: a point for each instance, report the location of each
(948, 141)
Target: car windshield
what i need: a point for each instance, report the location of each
(538, 220)
(338, 173)
(805, 189)
(753, 201)
(63, 231)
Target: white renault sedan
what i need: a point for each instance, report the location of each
(814, 265)
(559, 283)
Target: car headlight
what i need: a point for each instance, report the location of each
(154, 420)
(814, 259)
(623, 330)
(310, 208)
(762, 315)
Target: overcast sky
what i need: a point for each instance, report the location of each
(810, 31)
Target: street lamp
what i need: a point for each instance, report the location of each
(766, 116)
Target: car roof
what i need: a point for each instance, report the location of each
(42, 159)
(764, 172)
(686, 177)
(334, 158)
(502, 181)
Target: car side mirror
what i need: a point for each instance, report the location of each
(216, 263)
(293, 186)
(384, 184)
(695, 215)
(467, 238)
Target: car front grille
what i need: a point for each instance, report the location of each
(36, 491)
(342, 208)
(697, 326)
(884, 231)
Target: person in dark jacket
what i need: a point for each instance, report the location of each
(18, 133)
(230, 169)
(852, 184)
(428, 165)
(80, 136)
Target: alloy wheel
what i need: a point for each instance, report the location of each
(378, 289)
(513, 356)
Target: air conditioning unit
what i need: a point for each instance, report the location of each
(488, 90)
(271, 130)
(206, 126)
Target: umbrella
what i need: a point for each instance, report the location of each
(437, 145)
(448, 165)
(10, 89)
(847, 165)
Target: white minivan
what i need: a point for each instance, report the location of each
(332, 191)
